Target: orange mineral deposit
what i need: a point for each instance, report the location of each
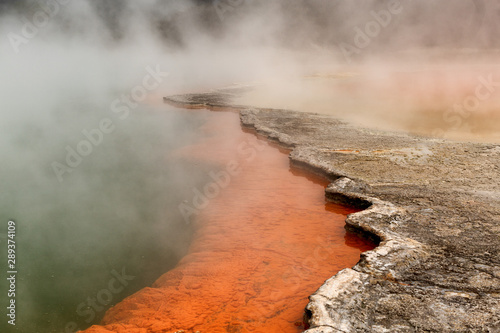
(265, 239)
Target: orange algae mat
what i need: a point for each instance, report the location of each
(265, 239)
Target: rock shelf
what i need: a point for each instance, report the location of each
(433, 204)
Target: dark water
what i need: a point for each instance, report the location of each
(111, 227)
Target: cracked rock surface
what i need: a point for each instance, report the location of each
(434, 205)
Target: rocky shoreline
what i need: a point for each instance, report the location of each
(434, 206)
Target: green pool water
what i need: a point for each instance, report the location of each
(109, 228)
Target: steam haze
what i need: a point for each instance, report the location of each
(118, 207)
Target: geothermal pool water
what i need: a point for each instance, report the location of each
(116, 211)
(265, 239)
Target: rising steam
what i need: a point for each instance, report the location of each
(68, 65)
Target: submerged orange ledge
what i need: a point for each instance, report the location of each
(264, 241)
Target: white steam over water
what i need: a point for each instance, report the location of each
(86, 169)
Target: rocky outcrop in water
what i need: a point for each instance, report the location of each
(434, 205)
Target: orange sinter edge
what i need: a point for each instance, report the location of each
(265, 239)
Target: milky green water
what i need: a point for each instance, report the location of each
(111, 227)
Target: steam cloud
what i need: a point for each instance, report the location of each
(392, 64)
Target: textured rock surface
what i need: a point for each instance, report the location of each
(433, 204)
